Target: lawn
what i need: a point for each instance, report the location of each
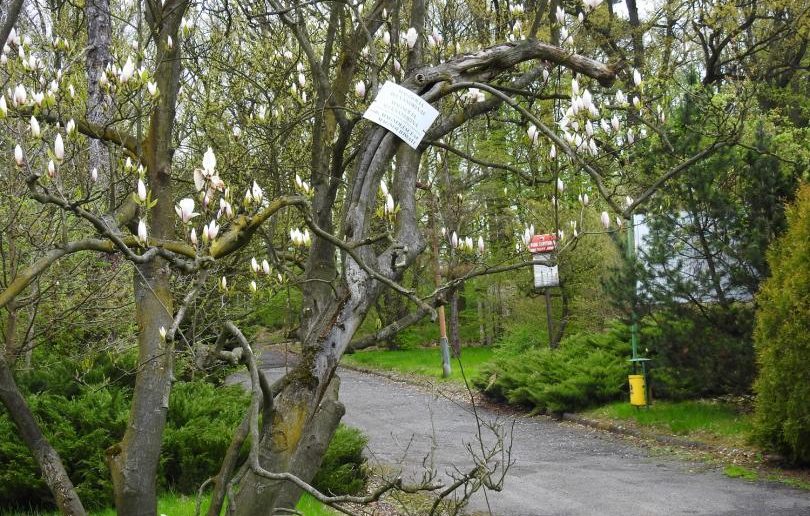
(421, 361)
(700, 419)
(172, 504)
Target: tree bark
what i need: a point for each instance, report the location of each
(47, 458)
(99, 103)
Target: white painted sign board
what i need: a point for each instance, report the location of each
(402, 112)
(546, 276)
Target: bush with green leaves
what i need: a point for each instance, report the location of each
(586, 369)
(782, 337)
(82, 407)
(692, 358)
(342, 469)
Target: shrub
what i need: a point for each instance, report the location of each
(199, 428)
(587, 369)
(81, 419)
(342, 471)
(695, 358)
(782, 339)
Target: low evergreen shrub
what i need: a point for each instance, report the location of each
(342, 469)
(586, 370)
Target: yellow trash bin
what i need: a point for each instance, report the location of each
(638, 390)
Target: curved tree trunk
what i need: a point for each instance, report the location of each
(47, 458)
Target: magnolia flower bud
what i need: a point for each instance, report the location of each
(223, 283)
(605, 220)
(636, 78)
(70, 127)
(127, 71)
(141, 190)
(162, 332)
(142, 231)
(454, 240)
(3, 106)
(169, 42)
(265, 267)
(411, 36)
(152, 88)
(360, 89)
(253, 286)
(35, 130)
(59, 147)
(481, 245)
(193, 236)
(254, 265)
(237, 132)
(560, 185)
(209, 161)
(51, 168)
(94, 174)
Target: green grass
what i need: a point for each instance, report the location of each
(172, 504)
(734, 471)
(421, 361)
(695, 418)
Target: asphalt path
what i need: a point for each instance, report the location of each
(558, 469)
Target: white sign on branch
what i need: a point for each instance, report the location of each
(402, 112)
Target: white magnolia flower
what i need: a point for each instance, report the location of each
(254, 265)
(20, 96)
(38, 98)
(605, 220)
(3, 106)
(411, 36)
(36, 132)
(481, 245)
(152, 88)
(454, 240)
(169, 42)
(389, 204)
(257, 193)
(51, 168)
(553, 152)
(360, 89)
(193, 236)
(637, 78)
(532, 133)
(70, 127)
(142, 231)
(162, 332)
(265, 267)
(237, 131)
(185, 209)
(560, 185)
(141, 190)
(209, 161)
(59, 147)
(127, 71)
(94, 174)
(253, 286)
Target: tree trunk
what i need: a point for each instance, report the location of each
(99, 103)
(47, 458)
(134, 462)
(455, 337)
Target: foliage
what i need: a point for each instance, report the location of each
(783, 339)
(198, 431)
(342, 471)
(691, 358)
(83, 418)
(586, 369)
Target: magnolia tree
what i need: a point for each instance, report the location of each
(214, 133)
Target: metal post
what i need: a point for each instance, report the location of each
(631, 255)
(444, 345)
(549, 321)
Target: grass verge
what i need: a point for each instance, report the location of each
(421, 361)
(171, 504)
(714, 422)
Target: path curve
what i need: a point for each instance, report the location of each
(559, 470)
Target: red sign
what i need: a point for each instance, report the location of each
(542, 243)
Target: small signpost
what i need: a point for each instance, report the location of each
(546, 273)
(402, 112)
